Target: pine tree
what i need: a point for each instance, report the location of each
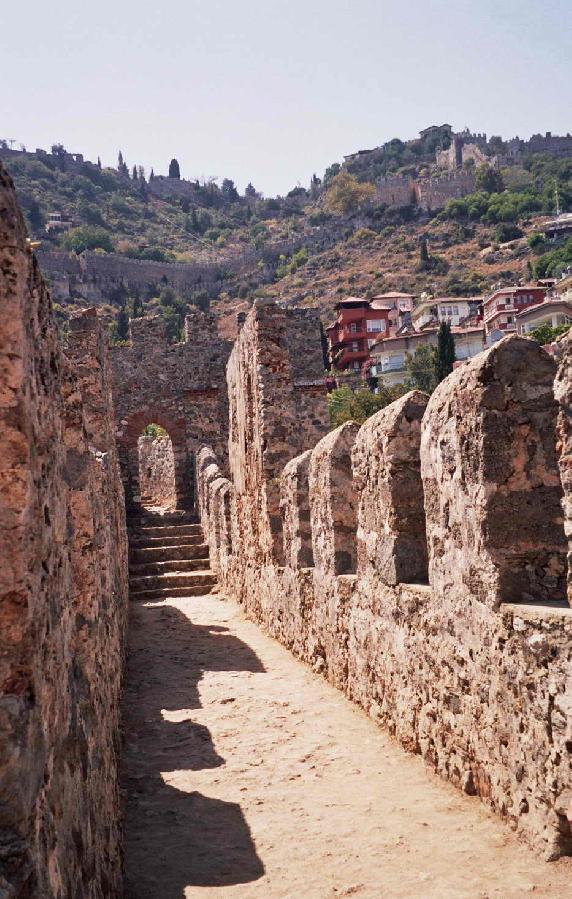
(151, 175)
(445, 352)
(174, 170)
(134, 173)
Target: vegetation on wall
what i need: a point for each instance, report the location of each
(345, 404)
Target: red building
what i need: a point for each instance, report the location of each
(502, 307)
(358, 326)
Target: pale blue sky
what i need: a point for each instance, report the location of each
(273, 91)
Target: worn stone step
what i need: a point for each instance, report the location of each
(182, 540)
(168, 566)
(169, 530)
(178, 516)
(170, 553)
(167, 592)
(173, 579)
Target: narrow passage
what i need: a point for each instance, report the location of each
(246, 775)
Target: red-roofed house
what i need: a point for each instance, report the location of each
(359, 324)
(502, 306)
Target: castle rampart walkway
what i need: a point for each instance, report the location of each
(246, 775)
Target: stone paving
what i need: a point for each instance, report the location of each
(247, 775)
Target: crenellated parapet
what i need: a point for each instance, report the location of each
(417, 561)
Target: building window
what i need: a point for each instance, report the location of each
(376, 325)
(354, 346)
(353, 327)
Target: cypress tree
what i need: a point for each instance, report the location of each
(134, 173)
(174, 170)
(122, 325)
(445, 352)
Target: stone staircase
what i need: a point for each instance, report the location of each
(168, 557)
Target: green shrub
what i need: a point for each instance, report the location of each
(87, 237)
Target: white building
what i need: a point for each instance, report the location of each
(555, 310)
(454, 310)
(389, 355)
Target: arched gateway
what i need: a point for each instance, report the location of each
(181, 387)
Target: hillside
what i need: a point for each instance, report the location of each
(339, 236)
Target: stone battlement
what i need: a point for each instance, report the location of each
(419, 562)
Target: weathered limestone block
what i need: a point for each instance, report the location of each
(204, 458)
(295, 508)
(563, 393)
(333, 513)
(333, 501)
(391, 516)
(490, 477)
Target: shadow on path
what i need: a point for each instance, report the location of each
(174, 838)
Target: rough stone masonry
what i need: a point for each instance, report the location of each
(63, 591)
(419, 562)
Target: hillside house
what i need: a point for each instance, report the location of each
(454, 310)
(389, 354)
(357, 327)
(503, 305)
(555, 310)
(360, 323)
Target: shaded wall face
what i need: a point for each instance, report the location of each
(157, 472)
(472, 669)
(63, 592)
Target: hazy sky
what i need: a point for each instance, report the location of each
(273, 90)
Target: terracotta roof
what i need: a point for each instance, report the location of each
(375, 304)
(352, 300)
(393, 293)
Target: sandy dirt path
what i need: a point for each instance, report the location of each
(246, 775)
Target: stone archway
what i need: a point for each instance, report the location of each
(128, 447)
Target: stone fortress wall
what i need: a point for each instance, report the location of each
(418, 562)
(95, 276)
(157, 471)
(182, 387)
(63, 591)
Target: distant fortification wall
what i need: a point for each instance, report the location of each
(418, 562)
(95, 276)
(63, 591)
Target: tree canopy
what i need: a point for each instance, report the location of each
(346, 194)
